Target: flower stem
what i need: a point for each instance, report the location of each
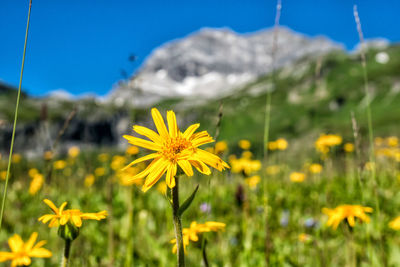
(204, 249)
(180, 254)
(3, 202)
(67, 249)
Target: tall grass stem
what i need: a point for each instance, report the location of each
(180, 254)
(3, 202)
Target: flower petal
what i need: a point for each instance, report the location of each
(147, 157)
(171, 172)
(172, 125)
(159, 122)
(152, 135)
(142, 143)
(186, 167)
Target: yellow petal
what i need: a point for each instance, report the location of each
(186, 167)
(200, 166)
(172, 125)
(171, 172)
(40, 253)
(15, 243)
(147, 157)
(159, 122)
(142, 143)
(29, 244)
(159, 168)
(51, 205)
(152, 135)
(190, 130)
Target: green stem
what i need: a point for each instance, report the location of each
(67, 250)
(205, 259)
(129, 246)
(180, 254)
(15, 118)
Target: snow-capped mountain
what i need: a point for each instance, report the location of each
(212, 62)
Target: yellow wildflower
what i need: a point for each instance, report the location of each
(59, 164)
(191, 233)
(395, 223)
(74, 151)
(74, 216)
(21, 252)
(281, 144)
(244, 144)
(245, 165)
(162, 187)
(3, 175)
(103, 157)
(48, 155)
(100, 171)
(125, 176)
(16, 158)
(118, 162)
(349, 212)
(304, 238)
(247, 154)
(297, 177)
(272, 170)
(253, 181)
(349, 147)
(272, 145)
(326, 141)
(220, 147)
(173, 148)
(32, 172)
(392, 141)
(132, 150)
(89, 180)
(315, 168)
(36, 184)
(378, 141)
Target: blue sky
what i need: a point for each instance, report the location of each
(82, 45)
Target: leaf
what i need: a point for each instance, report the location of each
(187, 202)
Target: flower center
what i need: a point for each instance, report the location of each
(173, 148)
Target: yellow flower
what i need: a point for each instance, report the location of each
(162, 187)
(281, 144)
(21, 253)
(89, 180)
(74, 216)
(220, 147)
(36, 184)
(125, 176)
(117, 162)
(60, 164)
(191, 233)
(349, 212)
(304, 238)
(272, 145)
(395, 223)
(74, 151)
(48, 155)
(325, 141)
(378, 141)
(244, 144)
(100, 171)
(132, 150)
(297, 177)
(253, 181)
(103, 157)
(272, 170)
(16, 158)
(32, 172)
(173, 148)
(315, 168)
(348, 147)
(3, 175)
(392, 141)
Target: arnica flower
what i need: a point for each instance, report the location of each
(245, 165)
(173, 148)
(89, 180)
(349, 212)
(21, 253)
(74, 151)
(326, 141)
(395, 223)
(59, 164)
(103, 157)
(272, 170)
(16, 158)
(48, 155)
(220, 147)
(132, 150)
(124, 177)
(191, 233)
(100, 171)
(315, 168)
(297, 177)
(253, 181)
(32, 172)
(74, 216)
(392, 141)
(378, 141)
(279, 144)
(244, 144)
(3, 175)
(348, 147)
(36, 184)
(118, 162)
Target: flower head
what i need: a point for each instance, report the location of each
(315, 168)
(326, 141)
(74, 216)
(297, 177)
(395, 223)
(21, 253)
(349, 212)
(253, 181)
(191, 233)
(172, 149)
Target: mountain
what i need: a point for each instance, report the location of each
(212, 63)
